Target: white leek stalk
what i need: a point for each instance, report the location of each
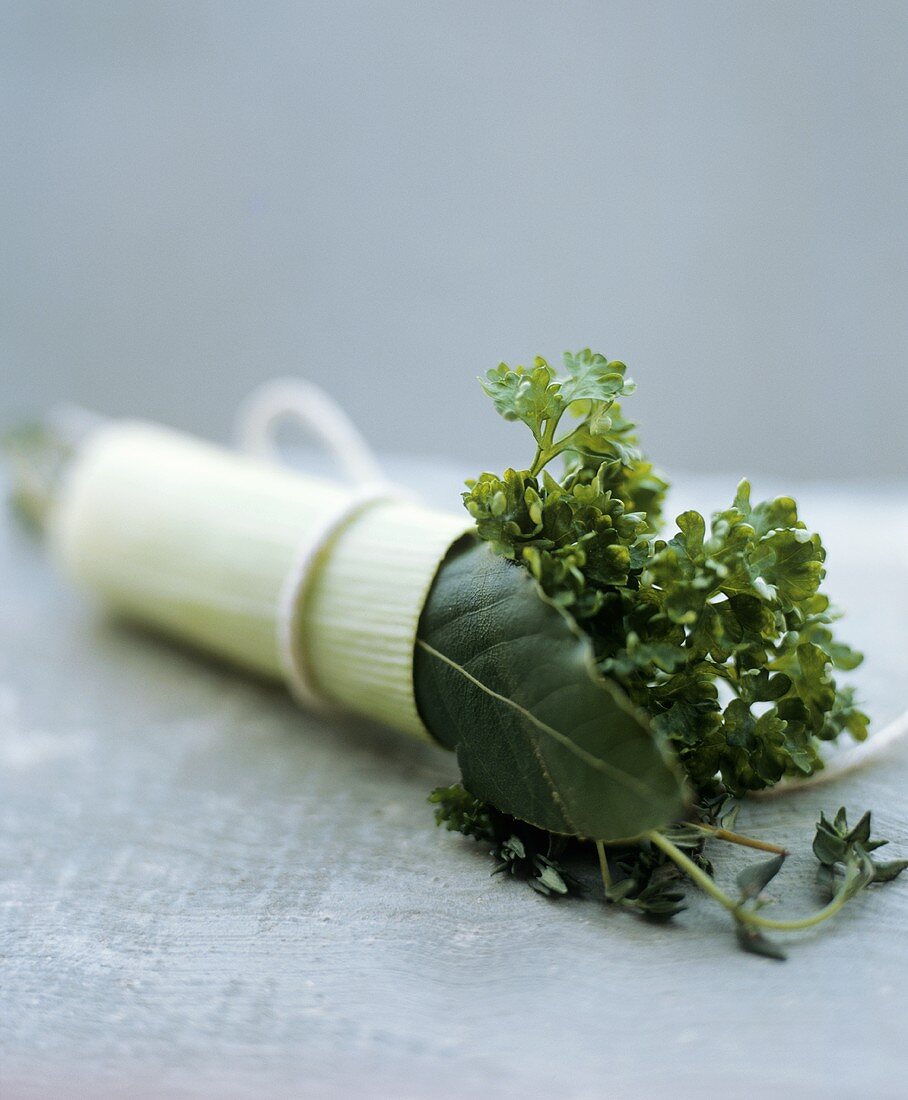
(201, 542)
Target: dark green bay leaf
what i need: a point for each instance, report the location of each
(505, 681)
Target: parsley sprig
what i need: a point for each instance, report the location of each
(718, 630)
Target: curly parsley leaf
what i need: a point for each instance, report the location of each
(539, 398)
(719, 631)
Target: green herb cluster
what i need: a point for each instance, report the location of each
(718, 631)
(519, 849)
(716, 635)
(648, 877)
(846, 868)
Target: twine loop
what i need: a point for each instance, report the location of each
(309, 407)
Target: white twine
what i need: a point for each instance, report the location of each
(307, 405)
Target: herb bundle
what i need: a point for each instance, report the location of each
(716, 635)
(609, 686)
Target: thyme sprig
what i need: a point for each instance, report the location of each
(649, 877)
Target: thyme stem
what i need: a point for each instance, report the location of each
(747, 916)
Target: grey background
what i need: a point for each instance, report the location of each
(392, 197)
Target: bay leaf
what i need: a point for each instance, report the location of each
(506, 681)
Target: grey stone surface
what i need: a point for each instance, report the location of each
(206, 892)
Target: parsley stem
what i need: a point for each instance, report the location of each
(603, 867)
(747, 916)
(546, 447)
